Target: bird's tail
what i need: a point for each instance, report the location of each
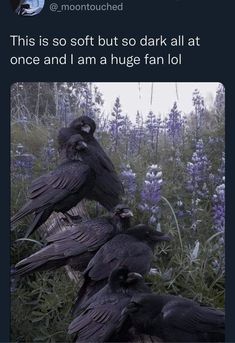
(38, 220)
(44, 259)
(27, 267)
(23, 212)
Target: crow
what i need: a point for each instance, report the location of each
(98, 317)
(133, 249)
(175, 319)
(62, 188)
(108, 187)
(78, 244)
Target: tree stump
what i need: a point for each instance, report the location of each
(56, 224)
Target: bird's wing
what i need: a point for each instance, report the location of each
(108, 186)
(57, 252)
(191, 317)
(98, 320)
(103, 157)
(53, 187)
(90, 233)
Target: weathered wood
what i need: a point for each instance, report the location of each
(55, 224)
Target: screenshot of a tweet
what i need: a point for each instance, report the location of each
(113, 219)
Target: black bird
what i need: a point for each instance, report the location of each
(78, 244)
(176, 319)
(108, 188)
(133, 249)
(62, 188)
(98, 319)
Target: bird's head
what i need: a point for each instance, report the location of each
(122, 279)
(84, 125)
(122, 211)
(118, 277)
(148, 234)
(75, 146)
(134, 278)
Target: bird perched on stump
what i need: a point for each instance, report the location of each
(62, 188)
(77, 244)
(108, 187)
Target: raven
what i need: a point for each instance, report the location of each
(175, 319)
(133, 249)
(62, 188)
(99, 316)
(108, 188)
(77, 245)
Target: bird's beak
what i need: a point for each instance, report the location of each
(127, 213)
(133, 276)
(86, 128)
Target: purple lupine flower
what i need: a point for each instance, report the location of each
(136, 134)
(199, 106)
(128, 178)
(174, 124)
(151, 123)
(125, 130)
(198, 103)
(198, 171)
(116, 123)
(221, 170)
(158, 127)
(151, 193)
(219, 208)
(218, 198)
(180, 209)
(198, 175)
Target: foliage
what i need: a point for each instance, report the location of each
(172, 169)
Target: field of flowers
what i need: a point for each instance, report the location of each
(173, 171)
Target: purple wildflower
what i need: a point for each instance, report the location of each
(136, 135)
(128, 178)
(221, 170)
(116, 123)
(198, 172)
(151, 193)
(174, 124)
(219, 208)
(199, 106)
(198, 178)
(151, 124)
